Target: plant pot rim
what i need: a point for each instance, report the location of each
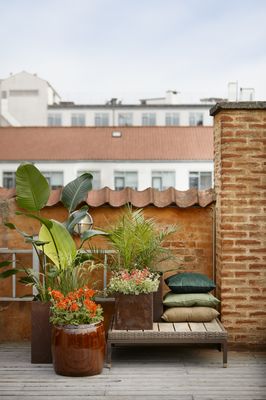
(81, 326)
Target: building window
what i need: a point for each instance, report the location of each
(54, 120)
(172, 119)
(9, 179)
(195, 118)
(54, 178)
(125, 179)
(96, 182)
(148, 119)
(101, 119)
(162, 180)
(200, 180)
(18, 93)
(125, 119)
(78, 119)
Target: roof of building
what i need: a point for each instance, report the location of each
(238, 105)
(143, 198)
(72, 105)
(98, 143)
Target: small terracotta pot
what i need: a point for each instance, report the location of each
(78, 350)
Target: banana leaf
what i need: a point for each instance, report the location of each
(32, 188)
(76, 191)
(61, 249)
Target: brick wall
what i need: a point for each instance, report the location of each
(240, 186)
(192, 244)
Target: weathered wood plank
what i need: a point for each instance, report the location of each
(197, 327)
(181, 327)
(212, 326)
(175, 373)
(166, 327)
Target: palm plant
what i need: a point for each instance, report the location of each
(138, 241)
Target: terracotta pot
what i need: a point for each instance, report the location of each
(78, 350)
(40, 333)
(134, 312)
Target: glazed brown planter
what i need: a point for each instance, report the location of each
(134, 312)
(40, 333)
(78, 350)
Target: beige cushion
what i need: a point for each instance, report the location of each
(190, 314)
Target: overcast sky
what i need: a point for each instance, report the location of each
(92, 50)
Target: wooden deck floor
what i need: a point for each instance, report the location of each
(152, 373)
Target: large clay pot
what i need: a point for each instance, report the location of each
(78, 350)
(134, 312)
(40, 333)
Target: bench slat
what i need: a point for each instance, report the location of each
(197, 327)
(166, 327)
(181, 327)
(213, 326)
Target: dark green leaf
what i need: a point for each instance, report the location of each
(76, 191)
(5, 263)
(32, 188)
(8, 273)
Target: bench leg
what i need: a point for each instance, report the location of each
(109, 354)
(224, 347)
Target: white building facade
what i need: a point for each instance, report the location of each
(181, 175)
(27, 100)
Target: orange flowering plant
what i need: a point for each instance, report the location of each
(75, 308)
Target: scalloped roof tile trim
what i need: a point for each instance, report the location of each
(140, 199)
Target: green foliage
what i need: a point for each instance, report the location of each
(32, 188)
(138, 241)
(76, 191)
(134, 282)
(61, 248)
(64, 264)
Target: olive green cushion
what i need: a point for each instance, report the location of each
(190, 282)
(190, 314)
(190, 299)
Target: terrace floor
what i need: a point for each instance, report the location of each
(153, 373)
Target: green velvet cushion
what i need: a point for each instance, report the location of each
(190, 282)
(190, 299)
(190, 314)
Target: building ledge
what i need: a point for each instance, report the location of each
(238, 105)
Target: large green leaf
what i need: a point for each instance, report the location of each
(76, 191)
(61, 248)
(32, 188)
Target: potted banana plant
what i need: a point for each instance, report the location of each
(61, 262)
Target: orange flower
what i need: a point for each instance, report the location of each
(74, 307)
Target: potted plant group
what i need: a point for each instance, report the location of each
(78, 336)
(138, 245)
(63, 265)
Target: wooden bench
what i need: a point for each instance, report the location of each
(165, 333)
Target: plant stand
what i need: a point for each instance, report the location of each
(41, 330)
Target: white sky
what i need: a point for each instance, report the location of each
(92, 50)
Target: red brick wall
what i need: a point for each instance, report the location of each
(192, 244)
(240, 186)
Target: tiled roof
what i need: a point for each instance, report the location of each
(97, 143)
(171, 196)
